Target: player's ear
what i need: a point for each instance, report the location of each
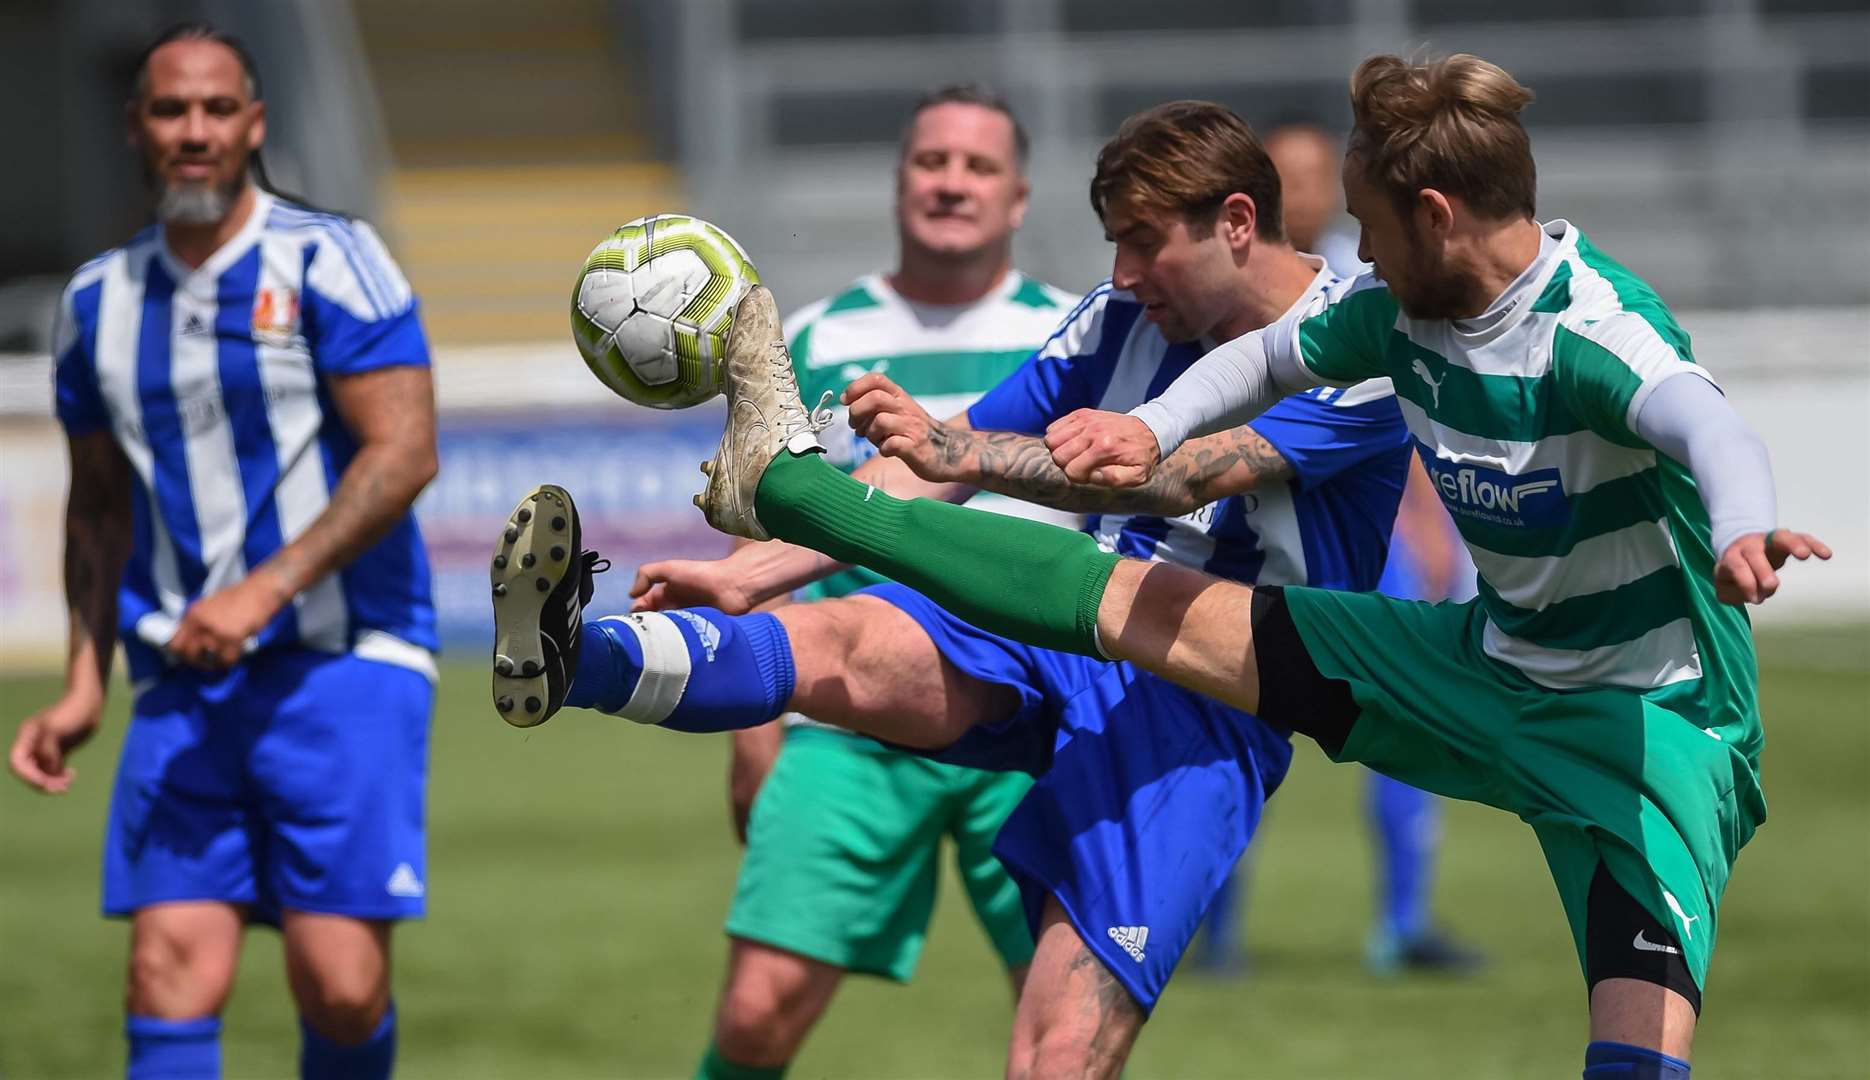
(1238, 217)
(1021, 193)
(256, 135)
(1434, 211)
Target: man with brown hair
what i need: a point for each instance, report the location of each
(1601, 687)
(1147, 793)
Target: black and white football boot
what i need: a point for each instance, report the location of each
(541, 583)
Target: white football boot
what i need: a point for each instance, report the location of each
(765, 417)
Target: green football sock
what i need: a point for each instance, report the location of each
(716, 1067)
(1031, 582)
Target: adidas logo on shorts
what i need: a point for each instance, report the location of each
(1131, 938)
(404, 882)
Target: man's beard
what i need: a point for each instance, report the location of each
(1434, 290)
(1435, 295)
(196, 204)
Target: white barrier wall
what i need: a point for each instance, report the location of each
(1802, 378)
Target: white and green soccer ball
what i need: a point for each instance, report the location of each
(653, 306)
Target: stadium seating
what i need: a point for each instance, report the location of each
(514, 137)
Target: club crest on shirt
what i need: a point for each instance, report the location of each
(276, 315)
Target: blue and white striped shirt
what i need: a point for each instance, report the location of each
(214, 381)
(1329, 526)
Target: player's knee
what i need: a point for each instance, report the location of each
(866, 665)
(346, 1011)
(339, 971)
(765, 1013)
(1069, 1047)
(1081, 1031)
(174, 978)
(1039, 1036)
(1019, 1056)
(755, 1026)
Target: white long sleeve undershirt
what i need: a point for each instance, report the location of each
(1690, 420)
(1224, 389)
(1685, 417)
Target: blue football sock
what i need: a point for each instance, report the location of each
(322, 1059)
(692, 670)
(1621, 1061)
(1408, 826)
(173, 1049)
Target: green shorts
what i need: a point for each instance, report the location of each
(842, 850)
(1602, 775)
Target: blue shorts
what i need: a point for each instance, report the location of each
(294, 781)
(1147, 793)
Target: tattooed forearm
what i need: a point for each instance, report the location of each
(372, 496)
(393, 413)
(1021, 466)
(97, 544)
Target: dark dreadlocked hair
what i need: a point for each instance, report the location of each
(201, 31)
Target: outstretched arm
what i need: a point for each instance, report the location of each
(1692, 422)
(1021, 466)
(1224, 389)
(756, 573)
(97, 544)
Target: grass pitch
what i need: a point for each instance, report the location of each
(579, 873)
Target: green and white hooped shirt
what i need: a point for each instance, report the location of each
(945, 355)
(1593, 548)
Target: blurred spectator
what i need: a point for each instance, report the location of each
(1308, 158)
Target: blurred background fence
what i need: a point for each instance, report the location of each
(1719, 147)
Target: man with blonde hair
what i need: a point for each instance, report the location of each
(1602, 685)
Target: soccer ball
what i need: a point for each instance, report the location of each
(653, 306)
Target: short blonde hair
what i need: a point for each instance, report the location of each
(1449, 124)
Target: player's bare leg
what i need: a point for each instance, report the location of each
(770, 1001)
(183, 957)
(1642, 1014)
(866, 666)
(1074, 1019)
(858, 662)
(1184, 625)
(339, 970)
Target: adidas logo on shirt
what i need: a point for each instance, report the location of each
(194, 325)
(404, 882)
(1131, 938)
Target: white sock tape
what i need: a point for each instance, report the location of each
(665, 666)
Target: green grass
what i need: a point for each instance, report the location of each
(578, 876)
